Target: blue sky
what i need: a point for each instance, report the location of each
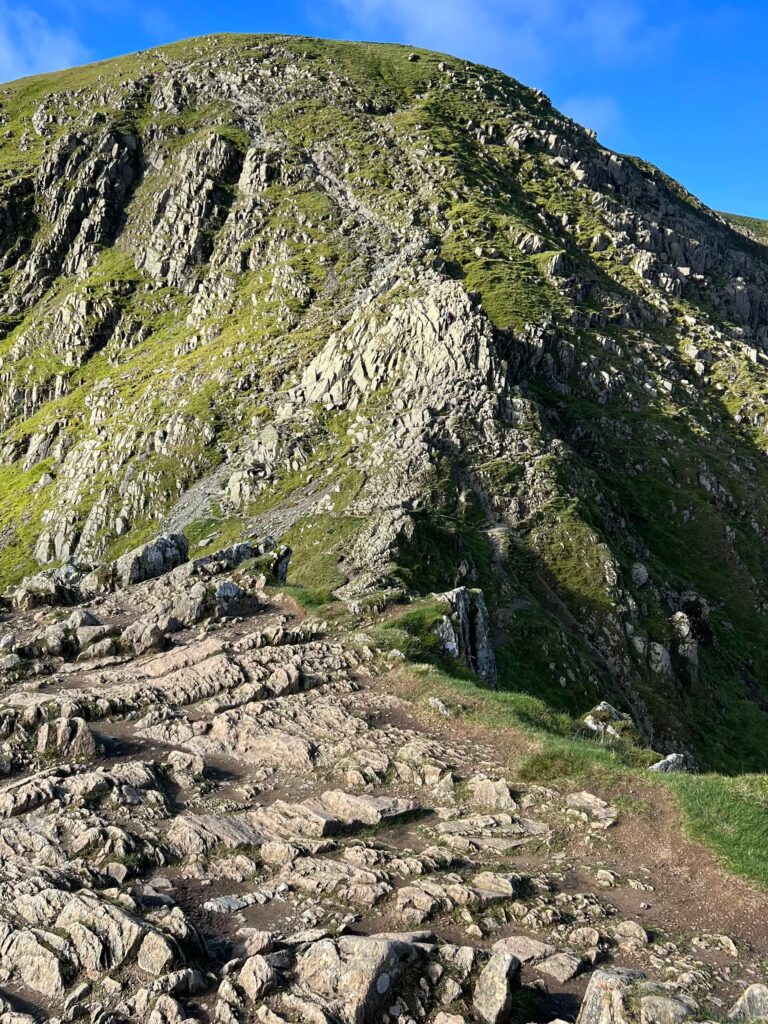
(683, 83)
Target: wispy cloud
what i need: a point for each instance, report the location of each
(525, 37)
(29, 43)
(601, 113)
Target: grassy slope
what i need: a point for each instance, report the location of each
(728, 814)
(758, 227)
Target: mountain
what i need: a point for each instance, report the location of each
(382, 505)
(396, 310)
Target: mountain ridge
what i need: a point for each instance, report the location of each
(237, 268)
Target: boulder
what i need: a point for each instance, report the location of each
(662, 1005)
(670, 763)
(144, 636)
(354, 977)
(752, 1004)
(631, 934)
(607, 998)
(257, 978)
(495, 987)
(228, 599)
(156, 954)
(490, 793)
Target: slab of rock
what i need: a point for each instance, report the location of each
(526, 950)
(606, 1000)
(562, 966)
(354, 976)
(356, 809)
(495, 987)
(659, 1005)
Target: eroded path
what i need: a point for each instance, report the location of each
(256, 824)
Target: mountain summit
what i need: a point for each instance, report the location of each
(396, 311)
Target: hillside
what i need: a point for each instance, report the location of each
(752, 226)
(382, 495)
(397, 311)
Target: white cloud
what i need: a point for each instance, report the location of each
(30, 44)
(601, 113)
(456, 26)
(524, 37)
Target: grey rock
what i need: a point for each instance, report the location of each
(670, 763)
(494, 991)
(607, 999)
(354, 977)
(752, 1004)
(561, 966)
(151, 560)
(466, 633)
(526, 950)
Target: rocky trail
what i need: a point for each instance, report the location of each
(219, 809)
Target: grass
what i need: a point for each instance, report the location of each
(730, 815)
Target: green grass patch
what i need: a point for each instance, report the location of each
(729, 815)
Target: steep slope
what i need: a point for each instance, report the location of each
(397, 311)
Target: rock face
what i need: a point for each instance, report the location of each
(465, 632)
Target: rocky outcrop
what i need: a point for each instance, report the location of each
(224, 823)
(154, 559)
(465, 632)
